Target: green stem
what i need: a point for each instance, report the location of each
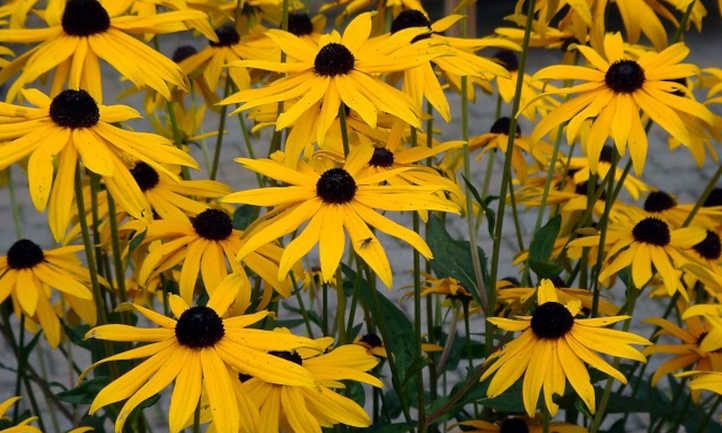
(344, 129)
(115, 245)
(340, 307)
(386, 337)
(21, 361)
(480, 289)
(89, 251)
(603, 225)
(421, 404)
(601, 409)
(507, 173)
(221, 131)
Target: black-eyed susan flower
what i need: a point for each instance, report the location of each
(516, 297)
(173, 199)
(375, 346)
(22, 426)
(663, 205)
(580, 171)
(534, 102)
(211, 62)
(351, 7)
(459, 60)
(303, 409)
(197, 351)
(706, 262)
(28, 274)
(72, 127)
(712, 314)
(205, 245)
(688, 351)
(704, 381)
(615, 90)
(553, 348)
(518, 425)
(80, 32)
(497, 139)
(330, 200)
(334, 70)
(648, 245)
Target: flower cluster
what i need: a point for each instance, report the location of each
(276, 307)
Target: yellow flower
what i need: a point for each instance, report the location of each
(351, 7)
(331, 200)
(334, 70)
(553, 348)
(662, 205)
(212, 61)
(23, 426)
(302, 409)
(27, 275)
(497, 139)
(421, 82)
(70, 125)
(80, 32)
(171, 199)
(688, 351)
(206, 245)
(197, 351)
(639, 240)
(615, 90)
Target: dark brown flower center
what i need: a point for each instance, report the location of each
(624, 76)
(199, 327)
(514, 425)
(507, 59)
(503, 125)
(551, 320)
(183, 52)
(714, 198)
(85, 18)
(710, 247)
(659, 201)
(74, 109)
(334, 59)
(300, 24)
(336, 186)
(371, 340)
(227, 36)
(411, 18)
(24, 254)
(213, 224)
(652, 231)
(382, 157)
(145, 176)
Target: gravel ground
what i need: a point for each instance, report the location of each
(672, 171)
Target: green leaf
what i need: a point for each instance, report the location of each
(542, 243)
(401, 342)
(244, 215)
(136, 240)
(541, 247)
(484, 203)
(85, 392)
(452, 258)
